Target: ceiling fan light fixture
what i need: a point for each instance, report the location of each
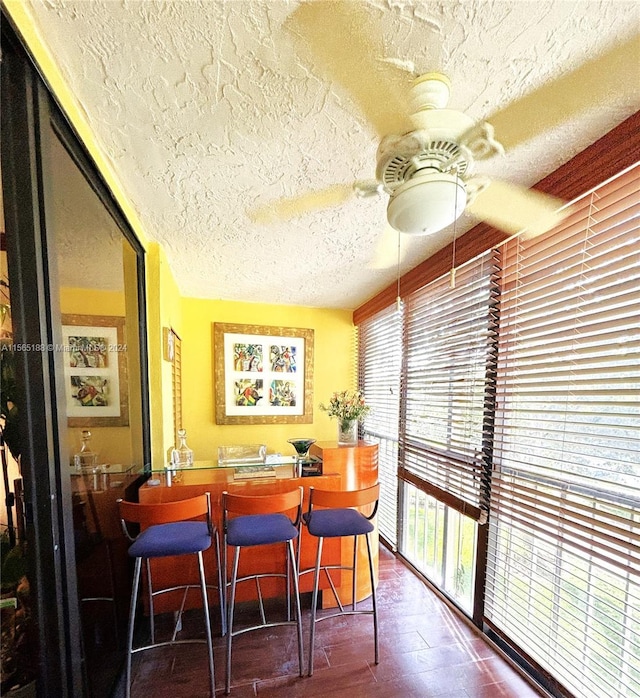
(427, 203)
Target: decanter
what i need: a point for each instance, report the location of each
(85, 459)
(182, 455)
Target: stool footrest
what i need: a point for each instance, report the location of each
(343, 613)
(169, 643)
(251, 577)
(273, 624)
(181, 587)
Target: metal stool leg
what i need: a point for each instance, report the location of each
(373, 600)
(230, 608)
(132, 619)
(296, 592)
(152, 614)
(221, 587)
(355, 574)
(314, 604)
(207, 622)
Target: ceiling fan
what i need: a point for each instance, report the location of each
(427, 152)
(428, 171)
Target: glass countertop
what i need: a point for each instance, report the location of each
(274, 467)
(270, 461)
(105, 469)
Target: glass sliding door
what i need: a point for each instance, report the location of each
(19, 653)
(77, 419)
(100, 405)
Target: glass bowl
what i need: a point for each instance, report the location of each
(302, 446)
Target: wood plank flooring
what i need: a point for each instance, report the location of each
(426, 651)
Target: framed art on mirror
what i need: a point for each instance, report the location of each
(263, 374)
(95, 371)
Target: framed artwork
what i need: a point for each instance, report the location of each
(263, 375)
(95, 371)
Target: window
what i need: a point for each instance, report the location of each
(563, 580)
(380, 356)
(441, 543)
(537, 423)
(449, 349)
(450, 355)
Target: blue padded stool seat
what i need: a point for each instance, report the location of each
(335, 523)
(165, 540)
(260, 529)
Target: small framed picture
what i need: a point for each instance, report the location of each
(95, 370)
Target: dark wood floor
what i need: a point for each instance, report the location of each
(425, 650)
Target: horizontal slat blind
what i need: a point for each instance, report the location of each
(176, 383)
(564, 562)
(379, 364)
(449, 347)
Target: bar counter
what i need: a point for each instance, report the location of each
(345, 467)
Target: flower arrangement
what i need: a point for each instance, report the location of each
(348, 406)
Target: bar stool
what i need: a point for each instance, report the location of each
(259, 520)
(337, 520)
(169, 532)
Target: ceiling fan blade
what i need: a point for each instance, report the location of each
(348, 48)
(614, 72)
(515, 209)
(390, 250)
(285, 209)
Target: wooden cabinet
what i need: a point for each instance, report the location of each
(356, 465)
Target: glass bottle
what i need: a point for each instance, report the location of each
(182, 455)
(85, 458)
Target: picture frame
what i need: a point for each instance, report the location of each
(95, 371)
(168, 344)
(263, 374)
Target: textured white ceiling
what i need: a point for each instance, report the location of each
(206, 110)
(88, 241)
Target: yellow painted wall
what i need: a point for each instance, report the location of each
(334, 369)
(164, 309)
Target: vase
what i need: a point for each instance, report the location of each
(348, 431)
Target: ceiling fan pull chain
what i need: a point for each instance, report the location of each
(452, 273)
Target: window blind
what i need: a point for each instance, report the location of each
(176, 385)
(450, 355)
(379, 364)
(563, 580)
